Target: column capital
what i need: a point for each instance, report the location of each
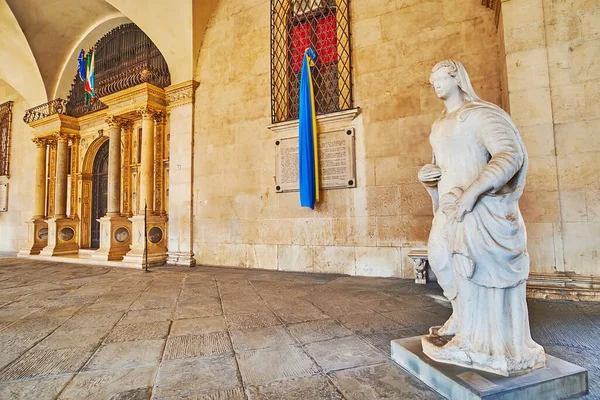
(113, 121)
(159, 116)
(126, 124)
(146, 112)
(62, 136)
(40, 142)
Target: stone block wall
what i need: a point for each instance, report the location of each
(239, 220)
(13, 229)
(553, 75)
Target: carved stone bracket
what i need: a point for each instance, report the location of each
(420, 260)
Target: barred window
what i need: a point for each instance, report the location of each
(295, 26)
(5, 128)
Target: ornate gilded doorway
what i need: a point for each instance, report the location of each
(99, 192)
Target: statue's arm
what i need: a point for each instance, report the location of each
(506, 159)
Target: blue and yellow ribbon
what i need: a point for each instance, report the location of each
(307, 136)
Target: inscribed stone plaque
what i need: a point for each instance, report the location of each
(336, 161)
(4, 197)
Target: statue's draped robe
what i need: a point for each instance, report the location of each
(482, 262)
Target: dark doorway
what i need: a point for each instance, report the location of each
(99, 192)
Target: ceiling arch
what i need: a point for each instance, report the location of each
(18, 66)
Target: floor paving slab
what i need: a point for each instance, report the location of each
(34, 389)
(260, 338)
(314, 387)
(198, 326)
(343, 353)
(126, 355)
(315, 331)
(139, 331)
(197, 345)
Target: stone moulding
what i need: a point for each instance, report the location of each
(180, 94)
(563, 286)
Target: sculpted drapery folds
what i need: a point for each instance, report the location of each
(477, 244)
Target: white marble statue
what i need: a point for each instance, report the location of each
(477, 245)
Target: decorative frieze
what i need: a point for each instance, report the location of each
(180, 94)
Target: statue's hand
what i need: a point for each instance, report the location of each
(430, 174)
(465, 204)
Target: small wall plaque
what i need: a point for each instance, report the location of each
(3, 197)
(337, 161)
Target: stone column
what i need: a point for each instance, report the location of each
(37, 233)
(146, 190)
(114, 167)
(39, 205)
(180, 104)
(62, 149)
(115, 230)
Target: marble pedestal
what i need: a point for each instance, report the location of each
(115, 238)
(157, 241)
(558, 380)
(62, 234)
(37, 237)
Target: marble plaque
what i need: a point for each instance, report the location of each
(3, 197)
(337, 159)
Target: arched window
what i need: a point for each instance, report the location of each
(324, 26)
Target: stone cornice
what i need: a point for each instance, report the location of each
(180, 94)
(323, 121)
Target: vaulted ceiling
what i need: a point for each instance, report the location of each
(41, 40)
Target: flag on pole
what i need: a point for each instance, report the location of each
(81, 65)
(307, 135)
(90, 92)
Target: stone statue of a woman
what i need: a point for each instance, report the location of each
(477, 245)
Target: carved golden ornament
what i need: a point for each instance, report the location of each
(62, 136)
(40, 142)
(159, 116)
(146, 112)
(126, 124)
(113, 121)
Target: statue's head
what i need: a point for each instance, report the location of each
(449, 76)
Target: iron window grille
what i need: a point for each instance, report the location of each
(323, 25)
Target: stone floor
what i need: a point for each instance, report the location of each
(86, 332)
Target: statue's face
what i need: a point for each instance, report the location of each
(443, 83)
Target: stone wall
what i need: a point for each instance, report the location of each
(13, 229)
(552, 50)
(239, 220)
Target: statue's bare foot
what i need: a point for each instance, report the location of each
(450, 328)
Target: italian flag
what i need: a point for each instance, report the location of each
(90, 92)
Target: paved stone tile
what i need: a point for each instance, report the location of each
(145, 316)
(382, 340)
(142, 331)
(314, 331)
(46, 362)
(106, 384)
(66, 338)
(36, 389)
(198, 326)
(343, 353)
(259, 338)
(89, 319)
(300, 314)
(382, 381)
(195, 310)
(125, 355)
(368, 323)
(415, 316)
(244, 307)
(196, 376)
(197, 345)
(314, 387)
(247, 321)
(343, 307)
(273, 364)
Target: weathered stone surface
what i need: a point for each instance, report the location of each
(197, 345)
(198, 326)
(124, 355)
(147, 316)
(343, 353)
(116, 384)
(180, 377)
(38, 389)
(381, 381)
(274, 364)
(259, 338)
(139, 331)
(314, 387)
(314, 331)
(247, 321)
(42, 362)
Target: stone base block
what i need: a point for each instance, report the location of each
(115, 238)
(37, 237)
(156, 226)
(185, 259)
(62, 237)
(558, 380)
